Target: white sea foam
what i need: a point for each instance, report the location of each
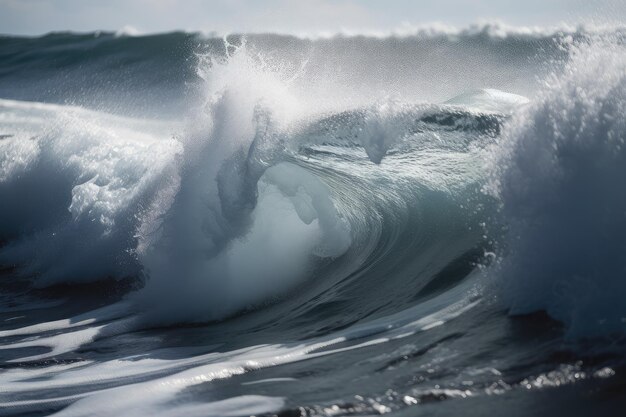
(158, 395)
(559, 172)
(75, 182)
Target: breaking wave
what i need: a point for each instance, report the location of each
(285, 206)
(558, 173)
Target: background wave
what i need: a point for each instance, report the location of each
(156, 75)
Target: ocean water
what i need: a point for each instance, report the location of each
(426, 224)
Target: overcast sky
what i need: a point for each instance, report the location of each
(33, 17)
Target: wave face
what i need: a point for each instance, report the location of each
(267, 224)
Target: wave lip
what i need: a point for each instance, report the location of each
(491, 100)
